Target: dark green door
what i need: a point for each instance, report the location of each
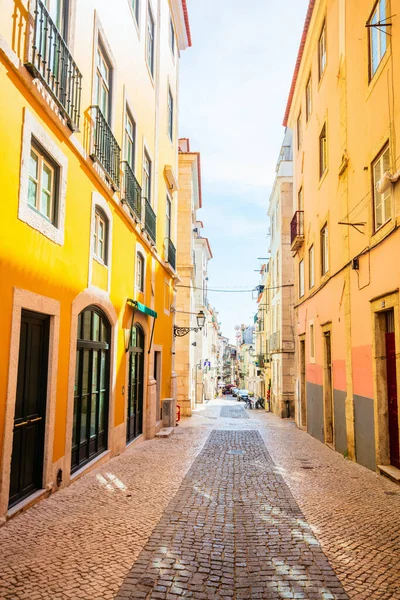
(91, 395)
(135, 385)
(30, 407)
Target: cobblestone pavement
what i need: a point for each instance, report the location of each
(233, 530)
(82, 542)
(233, 412)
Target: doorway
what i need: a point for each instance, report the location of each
(30, 407)
(328, 394)
(157, 377)
(303, 405)
(135, 384)
(393, 417)
(91, 391)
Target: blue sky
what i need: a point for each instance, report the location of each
(234, 85)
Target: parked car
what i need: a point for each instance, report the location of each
(242, 395)
(234, 391)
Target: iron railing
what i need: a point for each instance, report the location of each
(150, 220)
(52, 62)
(297, 229)
(132, 191)
(171, 254)
(105, 147)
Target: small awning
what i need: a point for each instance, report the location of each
(142, 308)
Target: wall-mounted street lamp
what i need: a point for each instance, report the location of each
(181, 331)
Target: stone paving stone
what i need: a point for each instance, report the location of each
(233, 412)
(236, 507)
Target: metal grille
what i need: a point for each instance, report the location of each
(105, 146)
(53, 63)
(150, 220)
(132, 191)
(297, 226)
(171, 254)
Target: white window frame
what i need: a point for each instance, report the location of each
(146, 156)
(100, 203)
(323, 151)
(311, 267)
(99, 217)
(299, 132)
(311, 329)
(322, 58)
(135, 10)
(301, 278)
(129, 138)
(150, 39)
(324, 249)
(42, 163)
(168, 202)
(170, 110)
(382, 201)
(380, 38)
(308, 98)
(140, 260)
(103, 79)
(33, 130)
(172, 36)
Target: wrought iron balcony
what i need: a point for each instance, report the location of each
(150, 221)
(170, 253)
(51, 61)
(297, 230)
(132, 193)
(105, 148)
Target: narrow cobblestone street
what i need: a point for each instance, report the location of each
(236, 504)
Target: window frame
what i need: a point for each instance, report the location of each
(311, 330)
(299, 132)
(150, 39)
(311, 267)
(375, 193)
(139, 280)
(322, 51)
(323, 151)
(135, 10)
(300, 199)
(376, 11)
(308, 98)
(168, 222)
(172, 36)
(146, 176)
(100, 217)
(301, 278)
(128, 116)
(324, 240)
(44, 159)
(170, 109)
(101, 51)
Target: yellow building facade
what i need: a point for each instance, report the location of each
(344, 111)
(88, 138)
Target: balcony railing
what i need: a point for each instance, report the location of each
(170, 253)
(105, 147)
(297, 230)
(52, 62)
(132, 191)
(150, 221)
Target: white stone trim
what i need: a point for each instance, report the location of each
(33, 218)
(48, 306)
(144, 253)
(91, 296)
(9, 53)
(98, 200)
(182, 41)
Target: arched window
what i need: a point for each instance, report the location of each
(100, 235)
(91, 391)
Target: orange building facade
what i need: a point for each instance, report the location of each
(344, 111)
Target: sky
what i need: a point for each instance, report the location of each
(234, 86)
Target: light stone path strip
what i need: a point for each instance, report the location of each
(232, 412)
(82, 542)
(233, 530)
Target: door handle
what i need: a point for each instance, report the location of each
(20, 424)
(34, 420)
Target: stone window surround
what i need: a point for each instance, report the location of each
(32, 128)
(140, 250)
(311, 336)
(99, 201)
(24, 299)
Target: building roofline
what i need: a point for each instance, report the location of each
(299, 59)
(187, 23)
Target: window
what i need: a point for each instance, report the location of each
(301, 278)
(377, 37)
(140, 272)
(129, 140)
(146, 183)
(382, 202)
(322, 51)
(311, 266)
(170, 115)
(58, 11)
(308, 98)
(42, 187)
(172, 36)
(300, 201)
(135, 9)
(323, 159)
(100, 236)
(168, 218)
(150, 41)
(103, 83)
(299, 132)
(312, 343)
(324, 250)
